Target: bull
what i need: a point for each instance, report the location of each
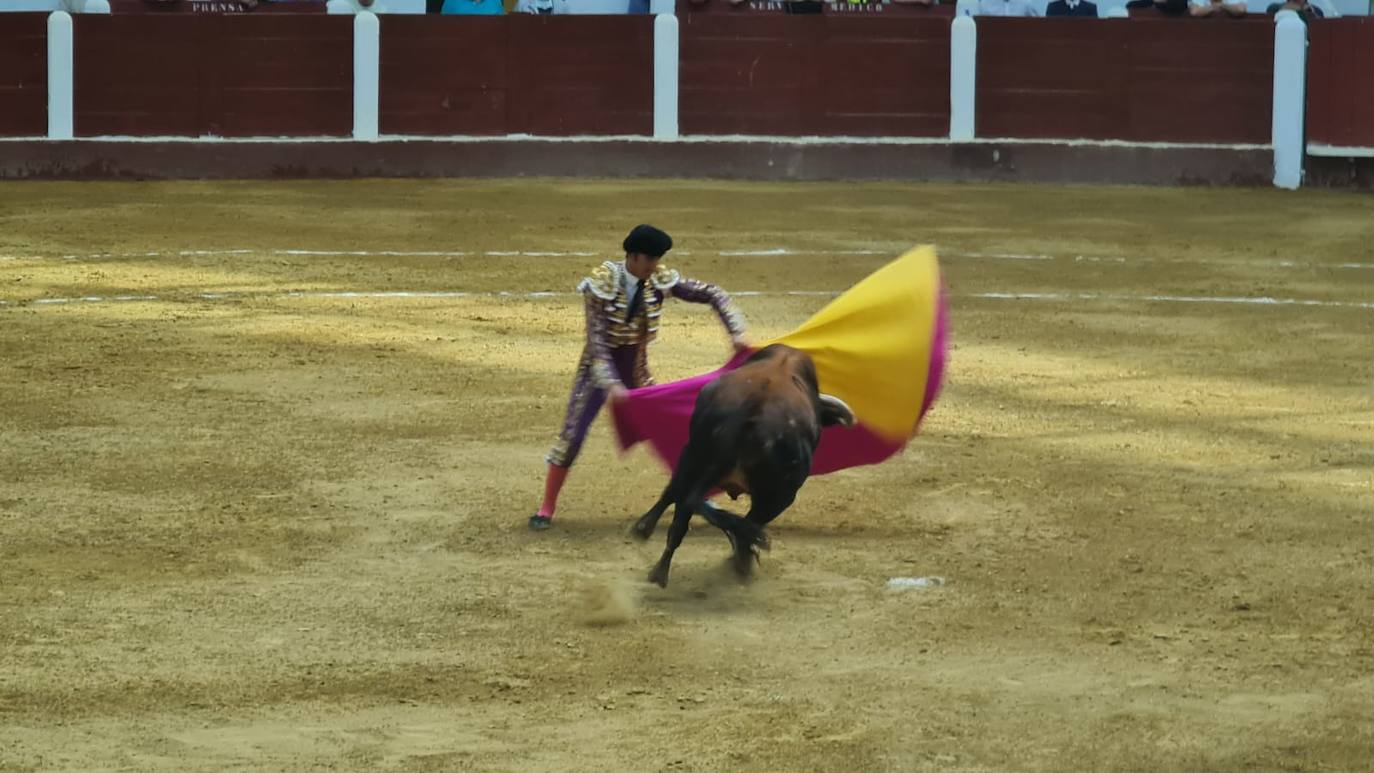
(753, 431)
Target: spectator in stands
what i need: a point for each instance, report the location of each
(356, 6)
(1007, 8)
(1166, 7)
(473, 7)
(1305, 10)
(1071, 8)
(645, 3)
(1199, 8)
(541, 6)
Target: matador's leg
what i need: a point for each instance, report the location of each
(583, 405)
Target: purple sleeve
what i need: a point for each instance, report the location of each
(697, 291)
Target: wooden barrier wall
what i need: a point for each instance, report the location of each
(1170, 80)
(226, 75)
(1340, 82)
(561, 76)
(23, 74)
(814, 75)
(1156, 80)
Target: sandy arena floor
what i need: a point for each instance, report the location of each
(250, 521)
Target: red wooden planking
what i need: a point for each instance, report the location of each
(881, 76)
(1049, 78)
(280, 76)
(762, 74)
(1207, 81)
(748, 87)
(1149, 80)
(580, 74)
(443, 75)
(188, 74)
(1322, 118)
(1340, 95)
(23, 74)
(1360, 89)
(137, 75)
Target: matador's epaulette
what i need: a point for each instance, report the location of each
(664, 278)
(602, 281)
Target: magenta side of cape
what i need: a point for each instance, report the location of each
(662, 414)
(939, 348)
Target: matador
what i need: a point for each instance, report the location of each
(623, 301)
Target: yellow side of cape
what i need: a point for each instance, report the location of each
(872, 344)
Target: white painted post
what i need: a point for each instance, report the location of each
(665, 76)
(1290, 77)
(367, 74)
(61, 59)
(963, 78)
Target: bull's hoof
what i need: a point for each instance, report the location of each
(659, 577)
(641, 531)
(743, 564)
(762, 541)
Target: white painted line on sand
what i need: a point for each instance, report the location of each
(443, 294)
(758, 252)
(996, 256)
(1246, 300)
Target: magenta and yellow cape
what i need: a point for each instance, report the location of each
(880, 346)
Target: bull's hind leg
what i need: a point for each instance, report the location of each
(763, 508)
(682, 516)
(644, 527)
(692, 467)
(745, 538)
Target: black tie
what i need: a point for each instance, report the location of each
(634, 301)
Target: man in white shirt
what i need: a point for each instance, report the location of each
(1216, 8)
(1007, 8)
(541, 6)
(356, 6)
(70, 6)
(1082, 8)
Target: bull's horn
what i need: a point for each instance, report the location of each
(835, 411)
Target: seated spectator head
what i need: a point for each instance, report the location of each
(1303, 8)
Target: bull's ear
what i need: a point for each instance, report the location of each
(834, 411)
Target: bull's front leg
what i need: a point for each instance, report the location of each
(682, 516)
